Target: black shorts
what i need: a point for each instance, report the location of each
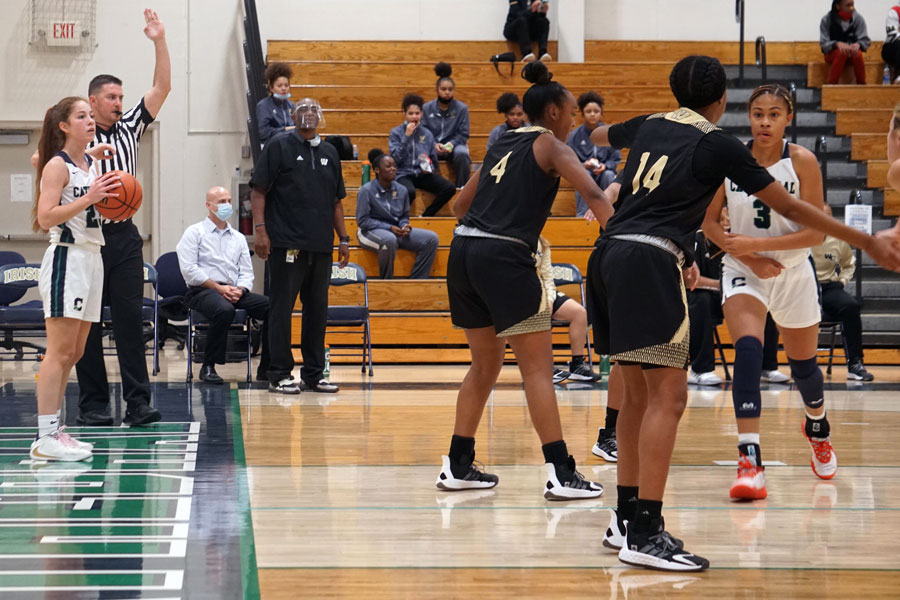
(558, 301)
(494, 282)
(638, 303)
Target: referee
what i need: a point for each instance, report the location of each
(123, 259)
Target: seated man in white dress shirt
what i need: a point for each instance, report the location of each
(215, 262)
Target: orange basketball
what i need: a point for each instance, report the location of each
(128, 202)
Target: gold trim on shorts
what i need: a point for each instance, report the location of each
(533, 324)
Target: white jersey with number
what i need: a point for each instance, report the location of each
(83, 228)
(750, 217)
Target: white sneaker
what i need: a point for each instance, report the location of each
(68, 439)
(475, 478)
(529, 58)
(566, 483)
(285, 386)
(545, 57)
(824, 460)
(709, 378)
(51, 447)
(774, 377)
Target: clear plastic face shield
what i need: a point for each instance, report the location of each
(308, 114)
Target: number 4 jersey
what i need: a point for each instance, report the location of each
(676, 162)
(749, 216)
(83, 228)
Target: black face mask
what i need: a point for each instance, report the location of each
(447, 101)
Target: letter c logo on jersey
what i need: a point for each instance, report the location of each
(738, 282)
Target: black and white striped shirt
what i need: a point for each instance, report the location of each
(124, 136)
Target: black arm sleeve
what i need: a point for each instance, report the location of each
(621, 135)
(720, 155)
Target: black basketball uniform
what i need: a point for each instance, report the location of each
(492, 276)
(676, 163)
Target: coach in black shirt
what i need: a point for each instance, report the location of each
(123, 261)
(297, 187)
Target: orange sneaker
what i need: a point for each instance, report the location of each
(824, 460)
(750, 483)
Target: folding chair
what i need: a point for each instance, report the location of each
(348, 319)
(569, 274)
(24, 320)
(171, 289)
(196, 344)
(834, 328)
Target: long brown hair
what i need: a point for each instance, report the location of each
(53, 139)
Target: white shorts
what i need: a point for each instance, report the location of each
(71, 282)
(792, 297)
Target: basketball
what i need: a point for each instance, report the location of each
(128, 202)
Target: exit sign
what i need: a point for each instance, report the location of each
(64, 33)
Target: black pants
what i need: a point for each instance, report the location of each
(220, 313)
(770, 345)
(890, 53)
(309, 275)
(442, 189)
(838, 305)
(123, 291)
(705, 310)
(532, 27)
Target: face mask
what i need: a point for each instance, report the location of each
(846, 16)
(224, 211)
(281, 96)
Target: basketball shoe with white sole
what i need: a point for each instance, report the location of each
(606, 446)
(51, 447)
(471, 477)
(750, 483)
(566, 483)
(614, 538)
(824, 459)
(659, 551)
(68, 439)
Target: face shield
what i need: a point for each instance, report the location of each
(308, 114)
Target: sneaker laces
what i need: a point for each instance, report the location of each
(64, 438)
(476, 472)
(746, 468)
(577, 480)
(822, 449)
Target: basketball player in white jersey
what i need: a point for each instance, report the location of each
(767, 269)
(71, 279)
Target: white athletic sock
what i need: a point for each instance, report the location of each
(815, 417)
(748, 438)
(47, 424)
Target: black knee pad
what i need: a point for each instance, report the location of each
(808, 379)
(748, 356)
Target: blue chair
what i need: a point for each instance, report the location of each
(569, 274)
(350, 319)
(149, 316)
(171, 289)
(25, 319)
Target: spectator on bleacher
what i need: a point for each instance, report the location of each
(508, 104)
(448, 120)
(413, 149)
(843, 35)
(567, 309)
(382, 218)
(705, 312)
(890, 52)
(600, 161)
(527, 22)
(215, 262)
(835, 265)
(273, 113)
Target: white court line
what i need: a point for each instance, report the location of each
(733, 463)
(173, 580)
(54, 484)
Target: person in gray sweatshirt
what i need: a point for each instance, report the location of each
(273, 113)
(508, 104)
(382, 219)
(448, 120)
(843, 35)
(600, 161)
(412, 147)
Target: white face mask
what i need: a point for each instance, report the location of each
(224, 211)
(281, 96)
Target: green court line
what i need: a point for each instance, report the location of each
(249, 574)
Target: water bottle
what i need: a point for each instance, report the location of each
(604, 365)
(355, 152)
(366, 172)
(886, 79)
(327, 370)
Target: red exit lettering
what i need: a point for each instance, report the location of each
(63, 31)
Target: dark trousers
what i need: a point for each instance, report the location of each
(704, 310)
(123, 291)
(838, 305)
(220, 314)
(462, 163)
(770, 345)
(309, 275)
(442, 189)
(890, 53)
(531, 27)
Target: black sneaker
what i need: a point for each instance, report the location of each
(472, 477)
(142, 414)
(94, 418)
(857, 372)
(285, 386)
(606, 447)
(580, 371)
(659, 551)
(559, 375)
(565, 483)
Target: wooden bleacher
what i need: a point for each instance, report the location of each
(361, 84)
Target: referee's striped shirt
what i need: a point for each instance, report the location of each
(124, 136)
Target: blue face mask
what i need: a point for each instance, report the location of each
(224, 211)
(281, 96)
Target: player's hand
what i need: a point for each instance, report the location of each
(154, 28)
(691, 276)
(440, 149)
(261, 244)
(739, 245)
(854, 48)
(102, 152)
(544, 8)
(764, 267)
(343, 255)
(885, 249)
(398, 231)
(892, 234)
(101, 188)
(405, 229)
(535, 5)
(411, 128)
(589, 216)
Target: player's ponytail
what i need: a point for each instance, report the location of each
(52, 140)
(544, 91)
(697, 81)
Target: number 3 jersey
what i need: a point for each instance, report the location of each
(676, 162)
(749, 216)
(83, 228)
(514, 195)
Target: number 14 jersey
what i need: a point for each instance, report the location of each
(749, 216)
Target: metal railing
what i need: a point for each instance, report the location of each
(739, 17)
(255, 66)
(761, 57)
(856, 198)
(794, 124)
(822, 154)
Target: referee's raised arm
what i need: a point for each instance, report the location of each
(162, 72)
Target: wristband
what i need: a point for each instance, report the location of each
(345, 239)
(258, 225)
(343, 243)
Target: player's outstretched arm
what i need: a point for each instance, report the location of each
(162, 73)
